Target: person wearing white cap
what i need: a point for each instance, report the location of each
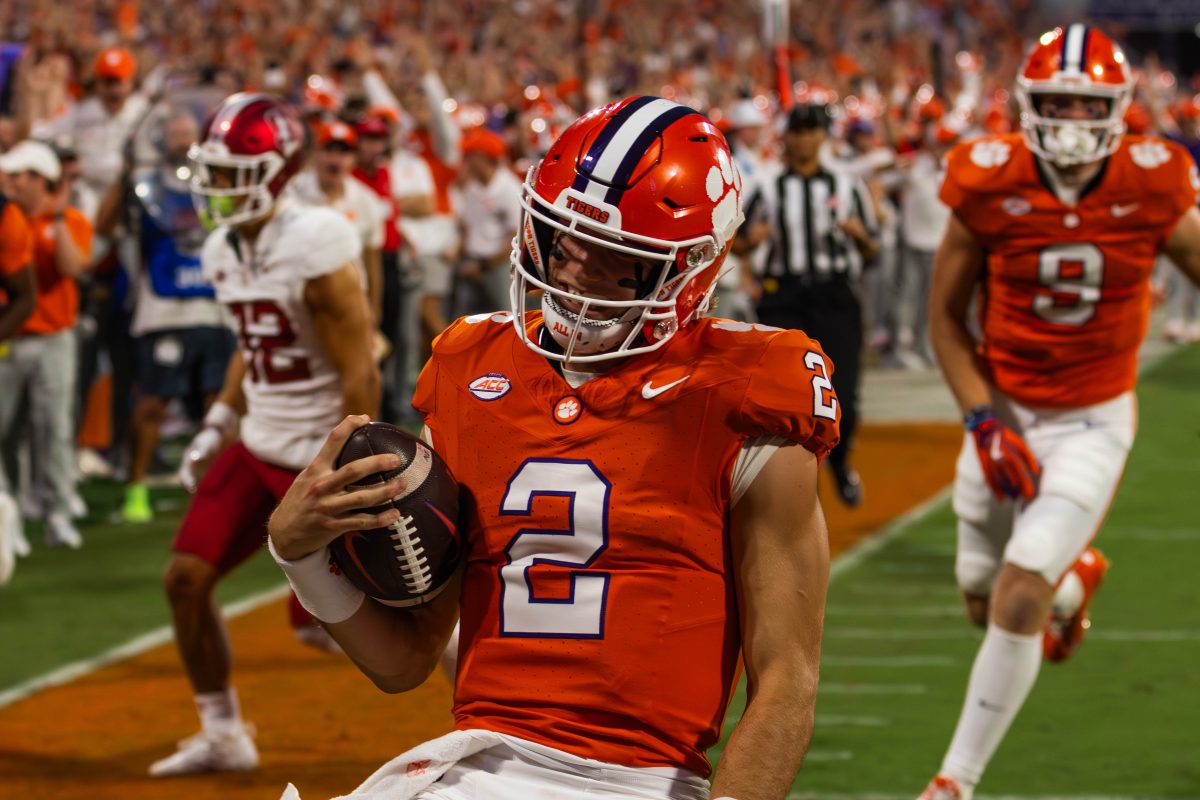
(18, 292)
(41, 362)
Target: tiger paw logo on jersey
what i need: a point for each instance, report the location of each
(1149, 154)
(567, 410)
(988, 153)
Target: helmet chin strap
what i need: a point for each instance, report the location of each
(579, 336)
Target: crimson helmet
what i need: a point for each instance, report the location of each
(642, 177)
(1076, 60)
(258, 137)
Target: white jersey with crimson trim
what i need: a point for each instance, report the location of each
(293, 393)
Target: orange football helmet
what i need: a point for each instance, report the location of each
(643, 177)
(1076, 61)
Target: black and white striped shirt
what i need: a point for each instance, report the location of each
(805, 240)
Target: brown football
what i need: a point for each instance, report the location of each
(409, 562)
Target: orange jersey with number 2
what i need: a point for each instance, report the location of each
(1066, 298)
(598, 608)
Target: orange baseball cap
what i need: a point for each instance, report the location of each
(115, 62)
(336, 132)
(480, 140)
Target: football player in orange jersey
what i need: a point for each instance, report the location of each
(644, 509)
(1058, 227)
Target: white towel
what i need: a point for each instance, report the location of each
(409, 773)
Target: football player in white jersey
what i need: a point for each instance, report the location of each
(288, 276)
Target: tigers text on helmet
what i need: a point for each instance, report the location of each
(1076, 61)
(649, 181)
(256, 142)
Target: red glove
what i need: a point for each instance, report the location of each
(1009, 467)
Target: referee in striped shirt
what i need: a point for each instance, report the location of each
(820, 230)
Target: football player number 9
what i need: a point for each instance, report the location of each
(1072, 273)
(580, 615)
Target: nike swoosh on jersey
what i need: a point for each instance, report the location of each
(1120, 210)
(650, 392)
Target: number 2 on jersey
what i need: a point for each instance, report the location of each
(580, 615)
(824, 400)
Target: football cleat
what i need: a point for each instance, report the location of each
(137, 507)
(61, 532)
(1065, 628)
(943, 787)
(229, 750)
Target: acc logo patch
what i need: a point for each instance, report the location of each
(988, 153)
(1016, 206)
(490, 387)
(567, 410)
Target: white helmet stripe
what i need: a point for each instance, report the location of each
(1073, 44)
(615, 151)
(610, 160)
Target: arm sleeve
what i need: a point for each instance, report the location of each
(331, 242)
(1184, 189)
(81, 231)
(864, 206)
(378, 92)
(445, 133)
(789, 395)
(372, 220)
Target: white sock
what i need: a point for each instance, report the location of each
(219, 711)
(1005, 668)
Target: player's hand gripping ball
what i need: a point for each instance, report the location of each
(409, 562)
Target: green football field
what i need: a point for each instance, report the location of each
(1118, 721)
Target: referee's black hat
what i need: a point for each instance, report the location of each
(809, 117)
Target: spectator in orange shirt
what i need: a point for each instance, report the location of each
(42, 356)
(17, 298)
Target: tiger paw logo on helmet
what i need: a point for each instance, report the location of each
(724, 187)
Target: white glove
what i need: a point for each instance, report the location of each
(219, 424)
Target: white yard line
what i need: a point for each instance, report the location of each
(870, 545)
(829, 755)
(843, 721)
(948, 610)
(129, 649)
(873, 688)
(965, 632)
(1152, 535)
(888, 662)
